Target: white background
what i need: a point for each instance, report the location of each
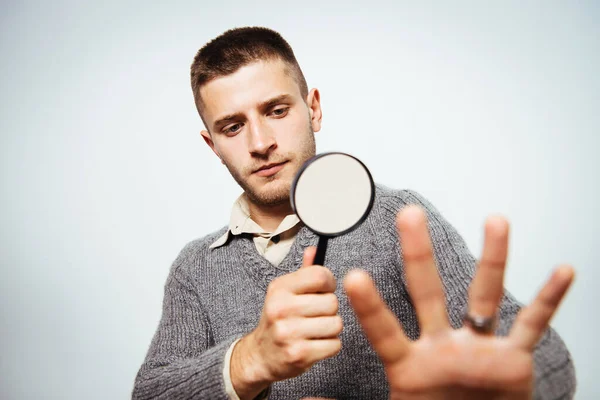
(481, 108)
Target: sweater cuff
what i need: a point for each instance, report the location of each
(264, 395)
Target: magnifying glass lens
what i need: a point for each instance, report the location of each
(332, 194)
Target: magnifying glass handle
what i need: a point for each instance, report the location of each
(321, 249)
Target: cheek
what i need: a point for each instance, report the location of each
(233, 161)
(230, 149)
(294, 131)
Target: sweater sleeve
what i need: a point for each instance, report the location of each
(554, 372)
(182, 361)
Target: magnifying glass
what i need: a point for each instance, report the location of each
(332, 194)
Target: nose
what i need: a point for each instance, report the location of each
(261, 139)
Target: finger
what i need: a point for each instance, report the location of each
(487, 287)
(310, 328)
(319, 349)
(315, 305)
(309, 256)
(423, 281)
(380, 325)
(532, 321)
(309, 279)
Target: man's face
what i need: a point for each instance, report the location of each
(261, 128)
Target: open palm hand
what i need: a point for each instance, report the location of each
(445, 363)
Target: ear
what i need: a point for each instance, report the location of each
(313, 101)
(208, 140)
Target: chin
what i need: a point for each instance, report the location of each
(271, 193)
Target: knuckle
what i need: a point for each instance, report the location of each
(336, 346)
(487, 302)
(338, 324)
(281, 332)
(274, 286)
(323, 276)
(297, 355)
(334, 304)
(275, 310)
(491, 263)
(533, 323)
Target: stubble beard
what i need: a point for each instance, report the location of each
(277, 193)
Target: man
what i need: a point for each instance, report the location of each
(246, 314)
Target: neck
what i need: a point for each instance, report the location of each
(269, 217)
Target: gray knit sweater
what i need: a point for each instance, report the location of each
(214, 296)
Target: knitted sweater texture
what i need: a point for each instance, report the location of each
(213, 297)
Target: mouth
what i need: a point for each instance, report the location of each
(270, 169)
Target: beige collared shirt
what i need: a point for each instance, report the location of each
(274, 246)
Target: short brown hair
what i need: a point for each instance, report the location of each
(236, 48)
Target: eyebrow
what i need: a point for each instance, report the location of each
(262, 106)
(274, 101)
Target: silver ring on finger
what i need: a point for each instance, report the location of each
(480, 324)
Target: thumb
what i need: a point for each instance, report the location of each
(309, 256)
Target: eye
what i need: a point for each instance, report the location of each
(280, 112)
(232, 129)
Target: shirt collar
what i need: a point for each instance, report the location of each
(241, 222)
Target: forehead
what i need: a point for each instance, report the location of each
(247, 87)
